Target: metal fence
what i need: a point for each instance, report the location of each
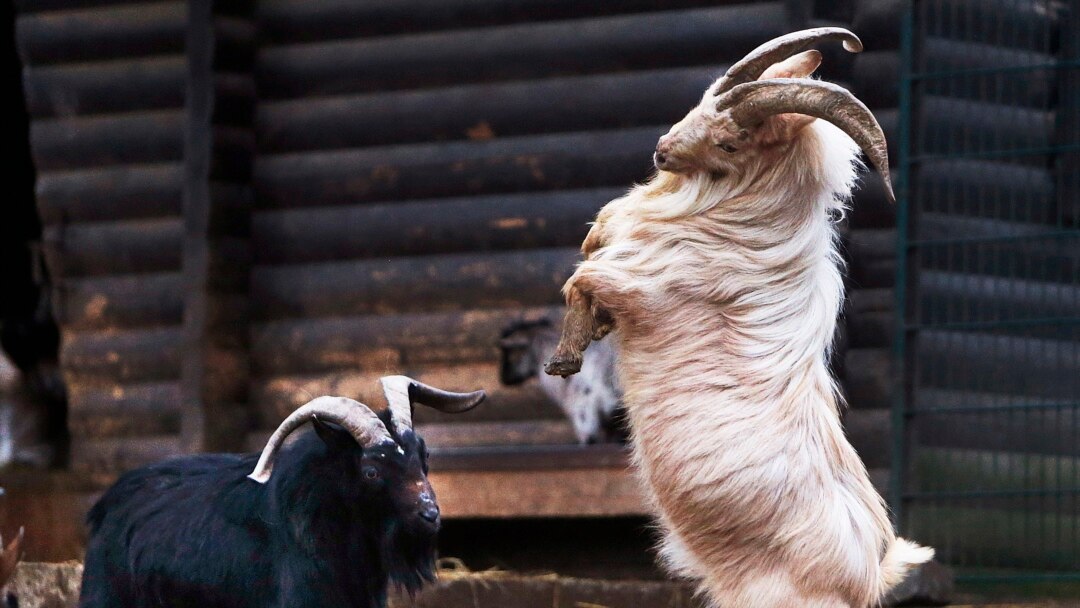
(988, 419)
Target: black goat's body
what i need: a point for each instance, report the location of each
(197, 531)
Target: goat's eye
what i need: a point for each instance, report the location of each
(726, 147)
(370, 473)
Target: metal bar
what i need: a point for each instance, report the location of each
(1012, 323)
(1054, 65)
(1017, 153)
(1011, 238)
(1033, 577)
(899, 405)
(987, 409)
(973, 494)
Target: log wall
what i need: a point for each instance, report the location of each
(423, 179)
(105, 88)
(250, 203)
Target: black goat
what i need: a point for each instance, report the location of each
(347, 510)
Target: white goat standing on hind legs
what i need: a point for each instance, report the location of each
(722, 280)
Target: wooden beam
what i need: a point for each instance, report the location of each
(217, 158)
(597, 492)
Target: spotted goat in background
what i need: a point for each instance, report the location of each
(591, 399)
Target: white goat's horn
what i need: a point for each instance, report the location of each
(751, 67)
(402, 391)
(753, 102)
(355, 417)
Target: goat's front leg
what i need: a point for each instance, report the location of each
(583, 323)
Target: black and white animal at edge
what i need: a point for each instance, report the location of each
(591, 400)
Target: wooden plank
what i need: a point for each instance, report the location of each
(124, 85)
(420, 284)
(868, 378)
(110, 193)
(317, 345)
(125, 410)
(154, 28)
(606, 101)
(871, 300)
(101, 460)
(530, 458)
(440, 435)
(547, 162)
(277, 396)
(870, 432)
(293, 21)
(596, 492)
(214, 365)
(485, 434)
(524, 51)
(120, 302)
(108, 357)
(95, 141)
(110, 248)
(871, 329)
(425, 227)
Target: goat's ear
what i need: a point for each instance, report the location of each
(800, 65)
(783, 127)
(335, 437)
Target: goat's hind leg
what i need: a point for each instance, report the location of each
(581, 325)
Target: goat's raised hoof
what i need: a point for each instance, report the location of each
(564, 365)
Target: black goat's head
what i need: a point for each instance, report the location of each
(379, 455)
(517, 358)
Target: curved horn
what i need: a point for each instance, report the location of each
(753, 102)
(355, 417)
(10, 556)
(751, 67)
(401, 392)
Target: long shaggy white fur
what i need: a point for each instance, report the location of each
(725, 294)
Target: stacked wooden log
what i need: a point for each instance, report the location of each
(418, 175)
(105, 90)
(426, 172)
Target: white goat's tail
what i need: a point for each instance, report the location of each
(899, 558)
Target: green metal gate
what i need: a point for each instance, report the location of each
(988, 416)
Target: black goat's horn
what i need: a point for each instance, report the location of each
(402, 392)
(355, 417)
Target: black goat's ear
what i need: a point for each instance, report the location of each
(335, 437)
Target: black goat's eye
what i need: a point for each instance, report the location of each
(727, 148)
(370, 473)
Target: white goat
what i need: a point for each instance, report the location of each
(722, 278)
(591, 400)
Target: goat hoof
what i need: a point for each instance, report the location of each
(563, 365)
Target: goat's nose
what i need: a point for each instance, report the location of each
(659, 158)
(430, 513)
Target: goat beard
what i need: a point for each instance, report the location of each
(409, 557)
